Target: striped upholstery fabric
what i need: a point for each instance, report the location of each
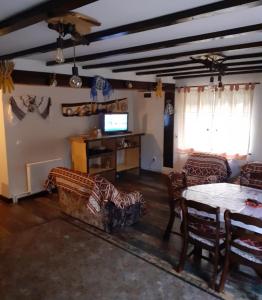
(202, 168)
(251, 175)
(72, 181)
(94, 188)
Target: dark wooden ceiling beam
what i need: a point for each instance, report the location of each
(174, 55)
(166, 71)
(165, 44)
(205, 71)
(215, 74)
(43, 78)
(168, 20)
(182, 63)
(39, 13)
(149, 24)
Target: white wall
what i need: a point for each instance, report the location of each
(256, 126)
(35, 139)
(149, 118)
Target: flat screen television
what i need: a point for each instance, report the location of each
(114, 123)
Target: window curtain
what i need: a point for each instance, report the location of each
(214, 120)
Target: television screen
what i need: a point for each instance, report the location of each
(115, 122)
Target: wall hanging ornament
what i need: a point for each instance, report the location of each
(6, 81)
(169, 108)
(94, 108)
(100, 84)
(24, 104)
(159, 88)
(52, 81)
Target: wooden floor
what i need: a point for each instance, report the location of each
(146, 235)
(34, 211)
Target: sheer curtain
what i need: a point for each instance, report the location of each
(215, 121)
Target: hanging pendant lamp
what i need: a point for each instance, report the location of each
(59, 55)
(75, 81)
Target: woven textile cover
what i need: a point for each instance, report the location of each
(251, 175)
(201, 168)
(95, 189)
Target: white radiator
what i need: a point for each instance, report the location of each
(37, 173)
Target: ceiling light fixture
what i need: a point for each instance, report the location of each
(214, 62)
(59, 55)
(75, 81)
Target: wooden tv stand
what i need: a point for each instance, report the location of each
(106, 155)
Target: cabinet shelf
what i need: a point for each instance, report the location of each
(124, 148)
(108, 153)
(125, 167)
(116, 157)
(94, 171)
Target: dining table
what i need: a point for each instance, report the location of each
(228, 196)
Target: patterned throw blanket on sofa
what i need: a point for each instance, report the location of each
(202, 168)
(96, 189)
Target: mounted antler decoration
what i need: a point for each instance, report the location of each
(6, 81)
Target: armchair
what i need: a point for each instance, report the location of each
(95, 200)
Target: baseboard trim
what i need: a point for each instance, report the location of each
(6, 199)
(32, 196)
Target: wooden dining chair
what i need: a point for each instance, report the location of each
(176, 183)
(201, 227)
(243, 246)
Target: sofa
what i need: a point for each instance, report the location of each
(95, 200)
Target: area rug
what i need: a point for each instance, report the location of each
(61, 260)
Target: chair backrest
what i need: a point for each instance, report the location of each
(176, 183)
(201, 220)
(199, 167)
(243, 238)
(251, 175)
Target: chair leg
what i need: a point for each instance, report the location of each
(224, 275)
(183, 256)
(197, 254)
(214, 276)
(169, 225)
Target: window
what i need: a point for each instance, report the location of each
(215, 121)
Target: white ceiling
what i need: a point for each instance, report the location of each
(118, 12)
